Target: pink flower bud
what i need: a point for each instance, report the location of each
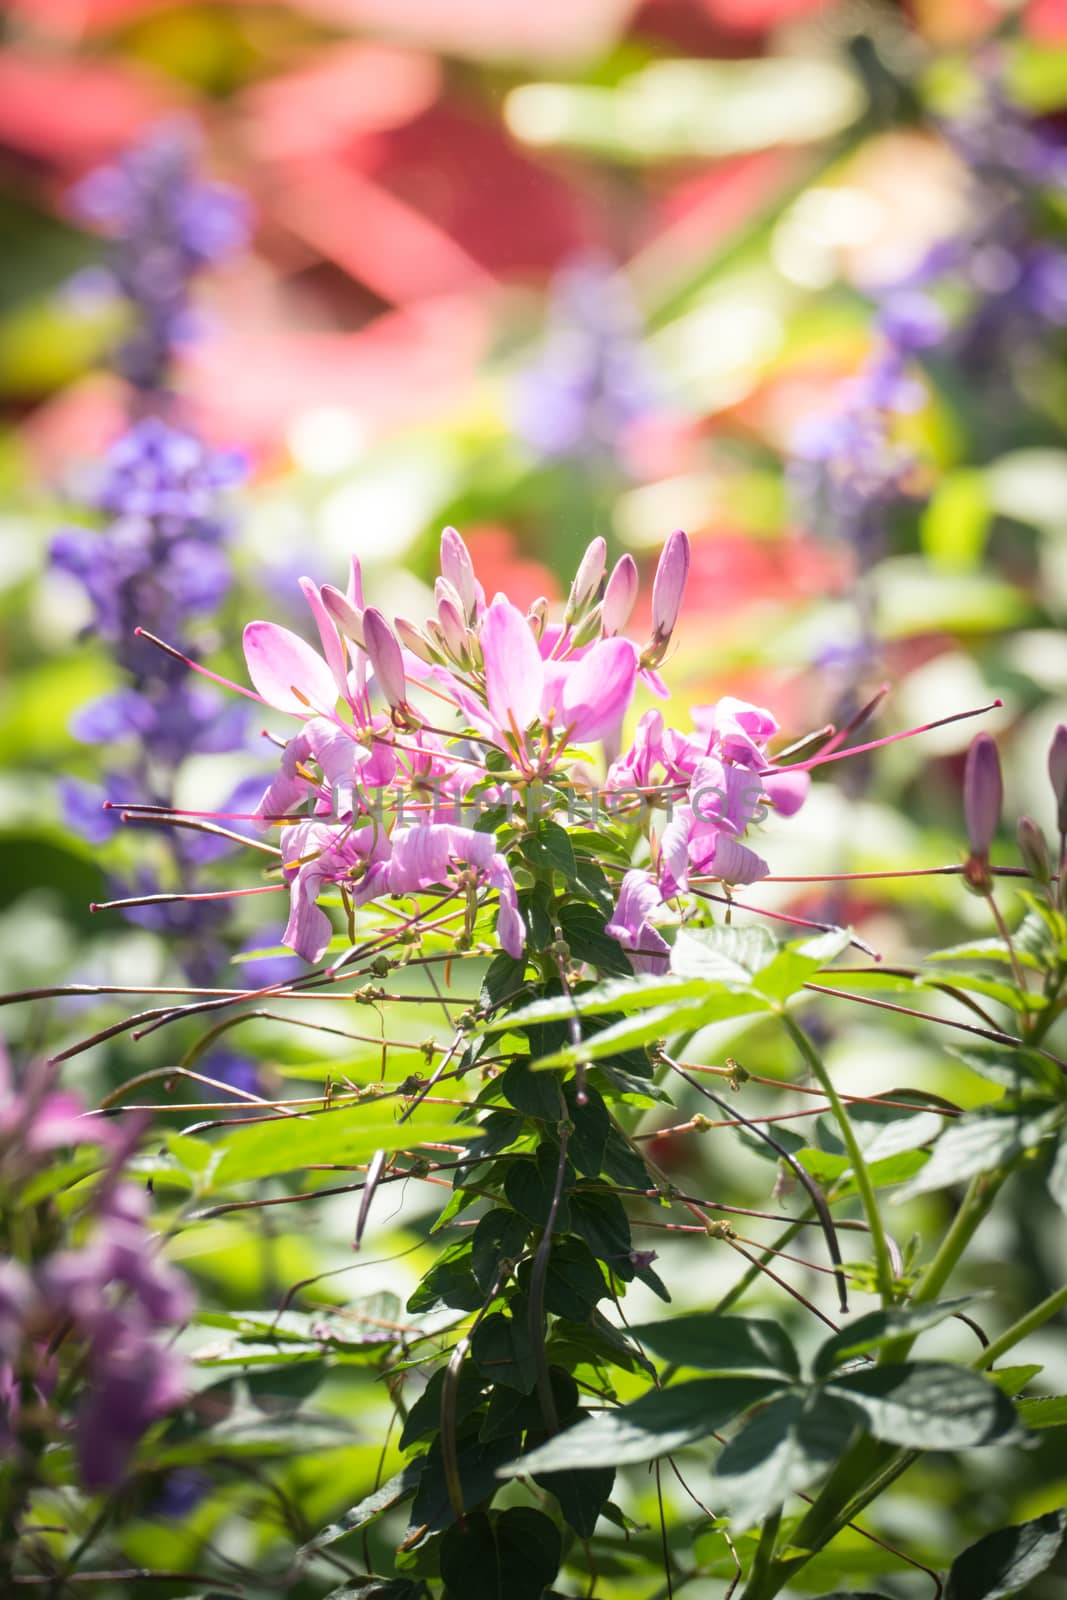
(453, 628)
(413, 639)
(983, 795)
(620, 596)
(458, 568)
(383, 649)
(586, 581)
(668, 586)
(347, 616)
(1057, 771)
(537, 616)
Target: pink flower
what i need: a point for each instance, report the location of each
(639, 896)
(427, 855)
(318, 853)
(586, 695)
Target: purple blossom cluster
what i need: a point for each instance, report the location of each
(99, 1311)
(981, 296)
(592, 383)
(159, 562)
(523, 699)
(167, 224)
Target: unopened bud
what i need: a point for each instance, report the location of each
(588, 628)
(413, 639)
(983, 795)
(537, 617)
(383, 649)
(1034, 851)
(347, 617)
(458, 568)
(586, 581)
(620, 596)
(1057, 771)
(668, 591)
(453, 628)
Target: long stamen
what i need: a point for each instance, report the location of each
(877, 744)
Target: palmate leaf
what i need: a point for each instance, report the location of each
(349, 1135)
(928, 1405)
(510, 1555)
(722, 1344)
(1002, 1562)
(783, 1449)
(879, 1328)
(983, 1140)
(659, 1422)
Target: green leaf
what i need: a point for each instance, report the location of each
(795, 963)
(450, 1280)
(500, 1236)
(591, 1125)
(535, 1094)
(501, 1348)
(981, 1141)
(573, 1283)
(372, 1588)
(503, 978)
(478, 1462)
(1002, 1562)
(955, 523)
(659, 1422)
(722, 955)
(424, 1418)
(722, 1344)
(1043, 1411)
(347, 1136)
(621, 995)
(531, 1184)
(509, 1412)
(510, 1555)
(986, 950)
(394, 1493)
(880, 1328)
(1018, 1070)
(658, 1022)
(601, 1221)
(581, 1495)
(928, 1405)
(582, 927)
(1013, 1380)
(783, 1449)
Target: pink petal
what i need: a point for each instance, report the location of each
(513, 670)
(279, 661)
(597, 694)
(332, 646)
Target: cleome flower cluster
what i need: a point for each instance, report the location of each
(454, 718)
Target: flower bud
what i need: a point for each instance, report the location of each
(586, 581)
(1034, 851)
(1057, 771)
(453, 628)
(668, 590)
(620, 596)
(983, 795)
(588, 628)
(537, 617)
(413, 639)
(458, 568)
(383, 649)
(344, 613)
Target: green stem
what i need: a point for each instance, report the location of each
(1019, 1330)
(763, 1560)
(882, 1259)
